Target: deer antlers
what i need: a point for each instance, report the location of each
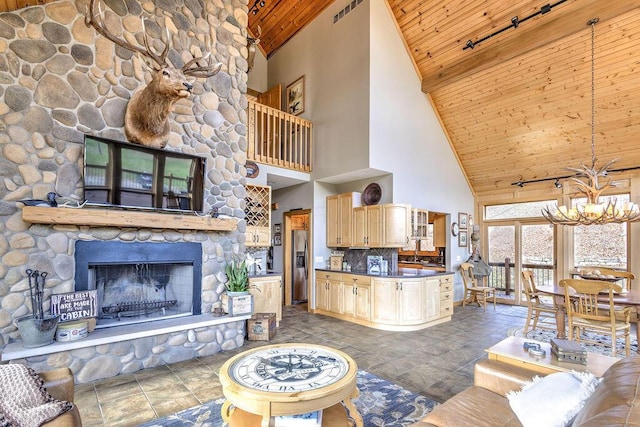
(161, 60)
(146, 117)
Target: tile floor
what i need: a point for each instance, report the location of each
(436, 362)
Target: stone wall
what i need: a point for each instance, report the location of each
(60, 80)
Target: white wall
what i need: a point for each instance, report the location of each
(298, 196)
(363, 96)
(257, 77)
(406, 136)
(334, 60)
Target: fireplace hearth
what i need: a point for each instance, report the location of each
(140, 282)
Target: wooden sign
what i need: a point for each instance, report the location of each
(75, 305)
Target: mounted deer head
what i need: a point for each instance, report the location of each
(146, 119)
(252, 43)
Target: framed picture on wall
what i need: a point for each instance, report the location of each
(462, 239)
(277, 239)
(463, 220)
(295, 97)
(277, 228)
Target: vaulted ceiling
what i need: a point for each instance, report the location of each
(517, 106)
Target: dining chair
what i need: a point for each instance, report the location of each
(590, 307)
(540, 312)
(473, 292)
(625, 276)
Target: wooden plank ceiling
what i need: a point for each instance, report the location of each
(517, 105)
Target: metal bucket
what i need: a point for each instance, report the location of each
(37, 332)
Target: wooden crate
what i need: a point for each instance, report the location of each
(237, 305)
(261, 327)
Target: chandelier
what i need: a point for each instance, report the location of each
(587, 179)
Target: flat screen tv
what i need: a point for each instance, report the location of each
(118, 173)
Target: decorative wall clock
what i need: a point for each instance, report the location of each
(455, 229)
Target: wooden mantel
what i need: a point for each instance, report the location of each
(125, 218)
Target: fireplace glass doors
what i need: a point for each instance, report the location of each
(140, 282)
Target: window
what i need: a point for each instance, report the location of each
(601, 245)
(516, 210)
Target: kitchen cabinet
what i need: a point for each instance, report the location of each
(439, 222)
(258, 216)
(432, 298)
(357, 296)
(391, 303)
(267, 294)
(339, 218)
(396, 225)
(419, 223)
(367, 226)
(329, 292)
(446, 296)
(398, 300)
(382, 226)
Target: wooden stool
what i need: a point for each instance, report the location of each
(333, 416)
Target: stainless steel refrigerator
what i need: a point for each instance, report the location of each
(300, 255)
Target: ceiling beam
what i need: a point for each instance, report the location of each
(527, 38)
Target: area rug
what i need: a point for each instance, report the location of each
(381, 404)
(546, 335)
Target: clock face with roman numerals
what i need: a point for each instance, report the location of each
(289, 369)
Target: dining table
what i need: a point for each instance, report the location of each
(627, 298)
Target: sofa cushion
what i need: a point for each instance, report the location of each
(554, 400)
(474, 406)
(616, 400)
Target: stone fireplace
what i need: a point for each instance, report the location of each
(60, 80)
(140, 282)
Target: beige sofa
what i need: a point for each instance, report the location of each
(60, 384)
(615, 402)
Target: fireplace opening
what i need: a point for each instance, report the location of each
(140, 282)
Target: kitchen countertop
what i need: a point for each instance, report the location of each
(265, 273)
(402, 272)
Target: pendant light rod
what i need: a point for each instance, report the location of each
(515, 23)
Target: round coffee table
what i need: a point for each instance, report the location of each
(287, 379)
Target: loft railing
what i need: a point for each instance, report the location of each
(279, 139)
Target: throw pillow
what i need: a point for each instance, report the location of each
(24, 402)
(553, 400)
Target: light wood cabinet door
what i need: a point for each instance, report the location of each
(346, 207)
(336, 296)
(367, 227)
(432, 299)
(363, 302)
(267, 295)
(440, 231)
(322, 294)
(333, 222)
(360, 225)
(396, 225)
(357, 296)
(349, 299)
(375, 218)
(411, 301)
(258, 237)
(385, 300)
(339, 218)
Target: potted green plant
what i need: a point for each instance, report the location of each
(237, 277)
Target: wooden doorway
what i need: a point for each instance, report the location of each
(297, 253)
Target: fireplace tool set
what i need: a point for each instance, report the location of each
(37, 329)
(36, 291)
